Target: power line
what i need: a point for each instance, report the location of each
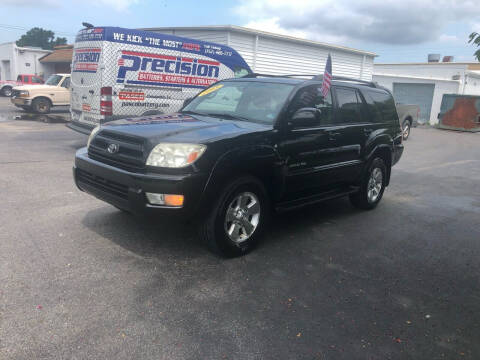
(14, 28)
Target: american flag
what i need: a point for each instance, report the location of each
(327, 77)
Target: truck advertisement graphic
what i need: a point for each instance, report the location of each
(141, 73)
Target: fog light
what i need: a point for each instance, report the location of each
(165, 199)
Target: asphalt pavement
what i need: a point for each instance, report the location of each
(80, 279)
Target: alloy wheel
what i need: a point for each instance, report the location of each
(242, 217)
(375, 184)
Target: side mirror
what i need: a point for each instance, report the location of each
(305, 117)
(187, 101)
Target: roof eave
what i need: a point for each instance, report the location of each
(264, 33)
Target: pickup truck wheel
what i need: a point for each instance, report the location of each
(41, 106)
(406, 127)
(7, 91)
(238, 218)
(371, 187)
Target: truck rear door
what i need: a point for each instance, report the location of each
(85, 85)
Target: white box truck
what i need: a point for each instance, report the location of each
(119, 73)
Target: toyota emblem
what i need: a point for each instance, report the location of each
(113, 148)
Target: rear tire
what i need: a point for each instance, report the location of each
(406, 128)
(41, 105)
(7, 91)
(371, 187)
(237, 219)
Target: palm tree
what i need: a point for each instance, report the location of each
(474, 38)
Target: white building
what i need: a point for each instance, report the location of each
(275, 54)
(15, 60)
(424, 84)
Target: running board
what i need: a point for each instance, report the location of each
(313, 199)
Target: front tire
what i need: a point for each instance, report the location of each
(237, 219)
(372, 186)
(7, 91)
(406, 128)
(41, 106)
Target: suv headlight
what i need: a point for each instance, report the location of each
(175, 155)
(92, 135)
(23, 93)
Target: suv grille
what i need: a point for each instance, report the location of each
(15, 93)
(128, 155)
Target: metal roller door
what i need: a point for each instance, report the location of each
(415, 94)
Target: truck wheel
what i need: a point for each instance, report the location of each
(7, 91)
(41, 106)
(371, 187)
(406, 127)
(237, 219)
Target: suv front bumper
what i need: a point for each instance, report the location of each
(126, 190)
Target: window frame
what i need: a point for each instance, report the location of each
(289, 114)
(67, 78)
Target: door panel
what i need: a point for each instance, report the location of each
(353, 132)
(307, 152)
(308, 147)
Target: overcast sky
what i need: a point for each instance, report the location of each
(398, 31)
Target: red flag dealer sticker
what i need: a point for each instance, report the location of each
(131, 96)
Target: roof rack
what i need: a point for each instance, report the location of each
(314, 77)
(254, 75)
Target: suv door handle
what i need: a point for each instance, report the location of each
(332, 135)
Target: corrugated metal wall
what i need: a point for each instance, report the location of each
(219, 37)
(277, 56)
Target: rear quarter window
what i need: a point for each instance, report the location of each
(381, 106)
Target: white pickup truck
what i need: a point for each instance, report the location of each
(40, 98)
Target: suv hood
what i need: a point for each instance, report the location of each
(183, 128)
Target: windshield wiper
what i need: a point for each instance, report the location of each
(193, 112)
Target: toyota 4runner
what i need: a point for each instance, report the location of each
(244, 147)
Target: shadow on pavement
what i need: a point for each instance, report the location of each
(52, 118)
(150, 237)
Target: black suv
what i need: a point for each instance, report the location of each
(244, 147)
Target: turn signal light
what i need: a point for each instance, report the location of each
(165, 199)
(174, 200)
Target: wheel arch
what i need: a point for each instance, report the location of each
(43, 97)
(259, 161)
(384, 152)
(408, 118)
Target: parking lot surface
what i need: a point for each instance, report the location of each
(80, 279)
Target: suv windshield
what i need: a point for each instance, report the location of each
(258, 102)
(53, 80)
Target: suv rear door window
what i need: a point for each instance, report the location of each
(311, 97)
(373, 113)
(385, 104)
(348, 105)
